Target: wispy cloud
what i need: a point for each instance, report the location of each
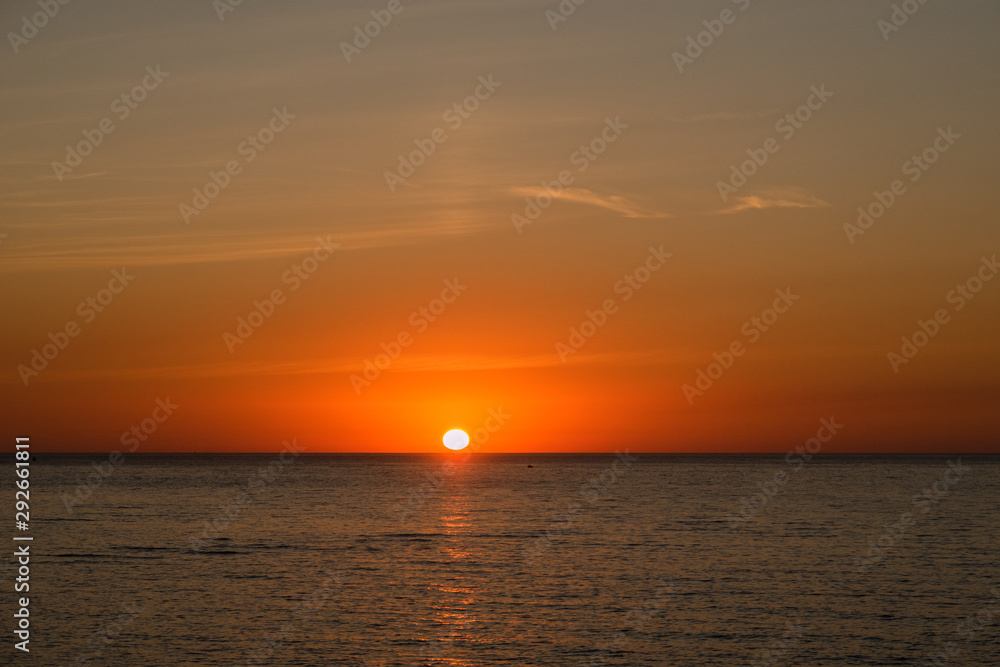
(722, 116)
(343, 365)
(82, 251)
(784, 197)
(616, 203)
(427, 363)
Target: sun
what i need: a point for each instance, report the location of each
(456, 439)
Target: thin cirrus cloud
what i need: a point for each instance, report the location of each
(722, 116)
(616, 203)
(336, 366)
(82, 252)
(787, 197)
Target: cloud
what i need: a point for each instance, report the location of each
(427, 363)
(614, 203)
(784, 197)
(725, 116)
(43, 253)
(313, 366)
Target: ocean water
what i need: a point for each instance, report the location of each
(513, 560)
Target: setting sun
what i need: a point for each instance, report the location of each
(456, 439)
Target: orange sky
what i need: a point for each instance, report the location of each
(262, 111)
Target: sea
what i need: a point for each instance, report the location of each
(461, 560)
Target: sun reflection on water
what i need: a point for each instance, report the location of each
(452, 615)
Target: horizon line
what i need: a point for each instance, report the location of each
(459, 452)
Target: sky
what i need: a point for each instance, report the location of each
(635, 225)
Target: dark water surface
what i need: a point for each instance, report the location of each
(513, 560)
